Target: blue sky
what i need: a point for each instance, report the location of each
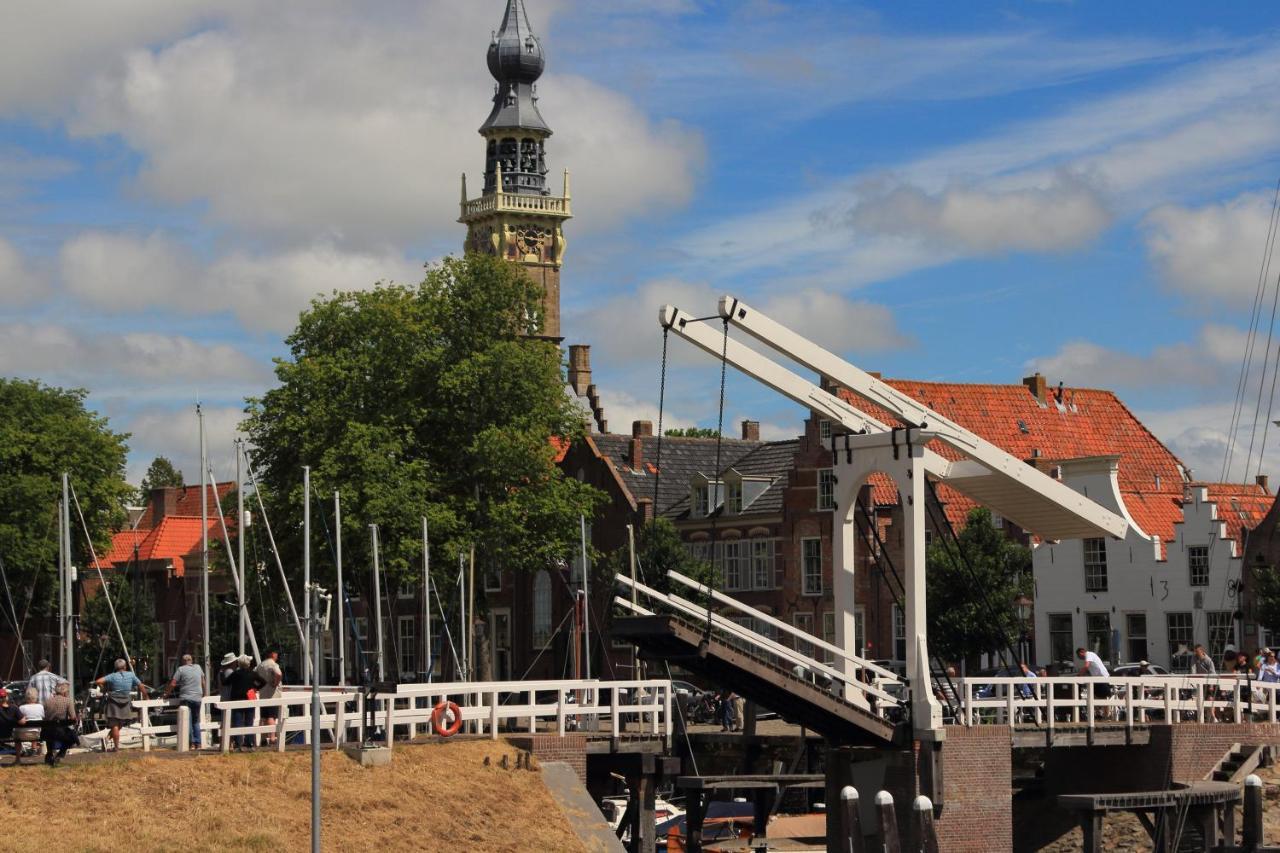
(944, 191)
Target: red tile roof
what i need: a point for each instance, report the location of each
(1240, 505)
(1087, 423)
(188, 503)
(173, 541)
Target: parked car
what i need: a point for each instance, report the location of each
(1130, 670)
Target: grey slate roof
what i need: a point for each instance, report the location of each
(682, 458)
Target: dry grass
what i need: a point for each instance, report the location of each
(432, 797)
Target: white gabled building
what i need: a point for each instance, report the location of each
(1171, 583)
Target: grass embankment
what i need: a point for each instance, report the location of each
(432, 797)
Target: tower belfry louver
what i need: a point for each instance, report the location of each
(516, 217)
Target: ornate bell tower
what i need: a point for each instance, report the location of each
(516, 217)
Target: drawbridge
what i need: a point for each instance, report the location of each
(862, 708)
(841, 695)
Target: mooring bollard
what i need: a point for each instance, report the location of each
(1252, 829)
(850, 821)
(184, 728)
(886, 824)
(926, 840)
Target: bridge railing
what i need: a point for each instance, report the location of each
(486, 707)
(1044, 703)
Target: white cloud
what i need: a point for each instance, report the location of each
(1063, 215)
(175, 434)
(835, 322)
(1211, 361)
(122, 273)
(18, 285)
(301, 120)
(144, 361)
(1215, 252)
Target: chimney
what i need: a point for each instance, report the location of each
(580, 368)
(1264, 481)
(164, 503)
(640, 430)
(1038, 387)
(645, 506)
(750, 430)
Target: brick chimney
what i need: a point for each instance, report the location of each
(1038, 386)
(645, 506)
(580, 368)
(164, 503)
(640, 430)
(750, 430)
(1264, 481)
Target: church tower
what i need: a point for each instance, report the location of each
(517, 217)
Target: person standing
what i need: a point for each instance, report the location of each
(1201, 663)
(188, 684)
(119, 687)
(1269, 672)
(59, 724)
(1093, 667)
(44, 681)
(739, 712)
(270, 674)
(237, 684)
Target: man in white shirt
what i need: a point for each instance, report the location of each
(269, 672)
(1093, 667)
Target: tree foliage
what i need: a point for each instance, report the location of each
(692, 432)
(658, 551)
(100, 644)
(44, 432)
(425, 400)
(970, 597)
(161, 473)
(1265, 580)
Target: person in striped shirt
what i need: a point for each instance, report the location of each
(45, 682)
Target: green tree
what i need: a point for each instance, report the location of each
(425, 400)
(1265, 592)
(970, 598)
(44, 432)
(691, 432)
(161, 473)
(100, 643)
(659, 550)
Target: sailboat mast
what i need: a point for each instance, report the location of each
(204, 551)
(244, 569)
(68, 583)
(306, 568)
(377, 604)
(426, 601)
(342, 591)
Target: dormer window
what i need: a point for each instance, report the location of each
(706, 496)
(735, 496)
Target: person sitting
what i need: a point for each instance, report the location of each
(32, 710)
(59, 721)
(10, 718)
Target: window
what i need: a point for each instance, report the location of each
(1198, 564)
(928, 538)
(542, 609)
(824, 430)
(735, 496)
(706, 497)
(173, 629)
(899, 634)
(700, 551)
(734, 565)
(406, 590)
(1097, 631)
(493, 581)
(997, 521)
(803, 621)
(828, 630)
(1181, 639)
(811, 562)
(826, 489)
(1061, 637)
(1095, 565)
(762, 563)
(1222, 633)
(408, 646)
(1136, 632)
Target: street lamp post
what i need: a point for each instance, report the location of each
(1023, 605)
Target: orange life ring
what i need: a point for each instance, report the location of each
(437, 719)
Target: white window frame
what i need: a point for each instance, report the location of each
(1070, 636)
(406, 590)
(803, 621)
(826, 489)
(735, 565)
(824, 430)
(763, 563)
(1198, 565)
(407, 645)
(701, 501)
(1095, 565)
(806, 577)
(1131, 637)
(493, 581)
(733, 491)
(1220, 629)
(1187, 639)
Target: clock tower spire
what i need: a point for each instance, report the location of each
(516, 217)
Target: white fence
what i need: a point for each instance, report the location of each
(546, 707)
(1044, 703)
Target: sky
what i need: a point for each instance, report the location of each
(938, 191)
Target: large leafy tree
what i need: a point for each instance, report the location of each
(44, 432)
(972, 584)
(100, 643)
(427, 400)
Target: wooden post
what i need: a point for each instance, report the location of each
(184, 728)
(340, 723)
(560, 711)
(887, 824)
(280, 731)
(390, 726)
(851, 840)
(643, 828)
(1251, 831)
(493, 715)
(697, 812)
(926, 837)
(226, 730)
(1091, 827)
(360, 717)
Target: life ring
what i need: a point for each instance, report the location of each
(437, 719)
